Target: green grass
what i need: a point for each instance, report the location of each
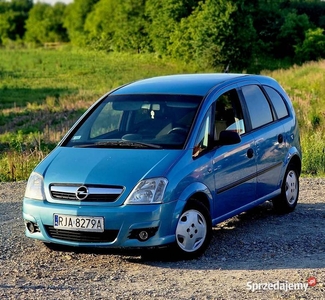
(306, 87)
(30, 76)
(43, 92)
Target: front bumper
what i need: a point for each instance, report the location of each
(123, 225)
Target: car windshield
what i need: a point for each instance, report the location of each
(137, 121)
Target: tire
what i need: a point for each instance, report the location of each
(287, 201)
(193, 230)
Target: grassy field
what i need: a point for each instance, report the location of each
(306, 87)
(43, 92)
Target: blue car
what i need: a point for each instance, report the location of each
(160, 161)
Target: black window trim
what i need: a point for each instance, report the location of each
(272, 105)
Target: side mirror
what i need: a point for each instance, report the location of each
(228, 137)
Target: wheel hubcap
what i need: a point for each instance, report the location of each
(291, 187)
(191, 230)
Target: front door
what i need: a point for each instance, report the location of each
(234, 166)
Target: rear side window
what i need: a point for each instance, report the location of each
(278, 102)
(258, 107)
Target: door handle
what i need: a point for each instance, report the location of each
(280, 138)
(250, 153)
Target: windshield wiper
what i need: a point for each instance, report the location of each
(119, 144)
(142, 145)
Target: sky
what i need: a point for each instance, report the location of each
(54, 1)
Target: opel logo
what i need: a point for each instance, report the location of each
(82, 192)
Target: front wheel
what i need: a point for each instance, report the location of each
(193, 231)
(287, 201)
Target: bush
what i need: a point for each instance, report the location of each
(313, 47)
(313, 148)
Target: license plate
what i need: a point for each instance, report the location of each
(79, 223)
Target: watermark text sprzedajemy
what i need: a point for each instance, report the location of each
(280, 286)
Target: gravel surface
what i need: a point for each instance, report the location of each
(256, 255)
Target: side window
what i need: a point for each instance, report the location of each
(258, 107)
(229, 114)
(278, 102)
(202, 140)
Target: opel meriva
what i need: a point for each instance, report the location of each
(160, 161)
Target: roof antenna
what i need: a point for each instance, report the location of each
(226, 70)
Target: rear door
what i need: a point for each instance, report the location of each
(269, 135)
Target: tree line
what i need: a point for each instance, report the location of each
(235, 34)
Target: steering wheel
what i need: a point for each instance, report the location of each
(180, 130)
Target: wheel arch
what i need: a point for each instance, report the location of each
(287, 200)
(295, 160)
(202, 198)
(197, 191)
(294, 157)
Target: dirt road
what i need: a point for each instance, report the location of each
(257, 255)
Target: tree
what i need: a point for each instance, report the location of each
(292, 33)
(13, 15)
(267, 21)
(163, 19)
(74, 20)
(313, 46)
(130, 26)
(213, 36)
(45, 24)
(99, 25)
(7, 25)
(314, 9)
(117, 25)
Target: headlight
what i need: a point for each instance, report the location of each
(35, 187)
(150, 191)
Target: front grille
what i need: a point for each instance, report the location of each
(82, 236)
(96, 193)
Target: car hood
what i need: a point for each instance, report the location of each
(120, 167)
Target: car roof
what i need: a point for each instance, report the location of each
(185, 84)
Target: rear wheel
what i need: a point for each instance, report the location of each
(193, 231)
(287, 201)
